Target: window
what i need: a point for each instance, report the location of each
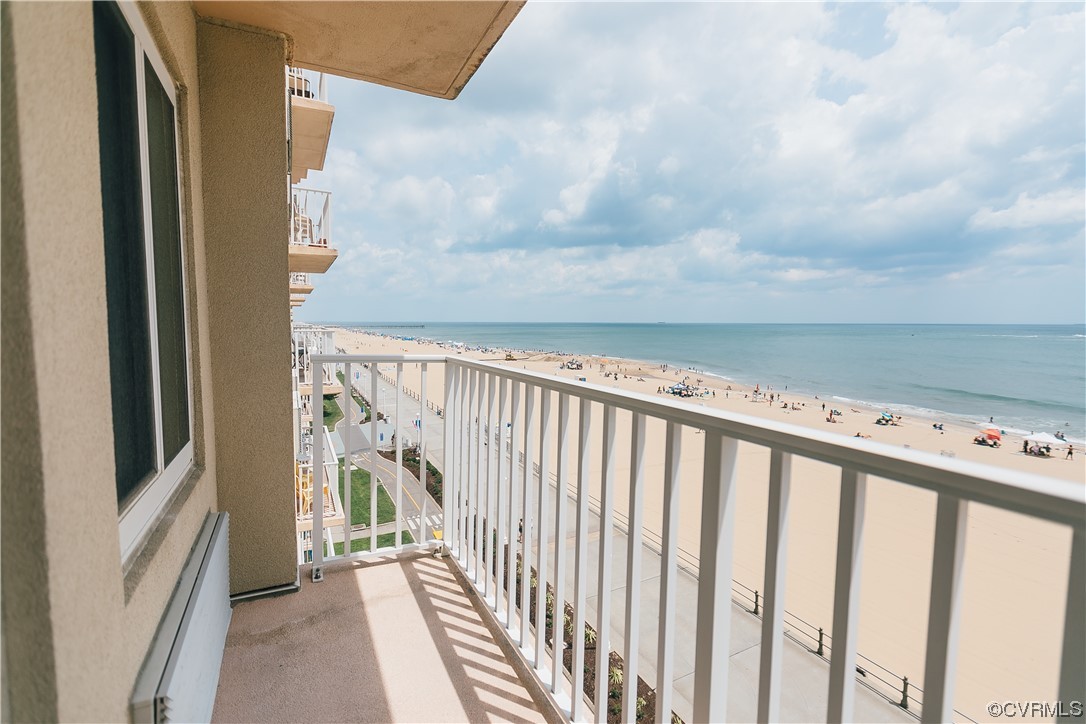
(148, 349)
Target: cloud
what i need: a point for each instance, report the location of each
(702, 153)
(1067, 206)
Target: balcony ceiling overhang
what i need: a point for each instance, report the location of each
(432, 48)
(310, 259)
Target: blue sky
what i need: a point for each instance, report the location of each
(724, 162)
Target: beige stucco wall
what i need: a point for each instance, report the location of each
(77, 622)
(243, 124)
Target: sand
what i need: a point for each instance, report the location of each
(1015, 567)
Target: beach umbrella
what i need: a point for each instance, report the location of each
(992, 432)
(1043, 438)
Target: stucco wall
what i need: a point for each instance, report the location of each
(243, 124)
(75, 653)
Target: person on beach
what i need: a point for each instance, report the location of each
(1070, 452)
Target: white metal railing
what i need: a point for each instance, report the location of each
(485, 493)
(310, 217)
(307, 84)
(305, 343)
(299, 278)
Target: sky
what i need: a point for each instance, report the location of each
(724, 162)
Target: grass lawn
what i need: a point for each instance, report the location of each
(360, 498)
(332, 413)
(362, 545)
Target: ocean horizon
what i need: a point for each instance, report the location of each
(1028, 378)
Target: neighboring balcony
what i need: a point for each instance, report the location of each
(311, 249)
(332, 385)
(310, 121)
(300, 283)
(543, 510)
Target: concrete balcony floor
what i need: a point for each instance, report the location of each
(393, 639)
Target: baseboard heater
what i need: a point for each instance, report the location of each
(181, 673)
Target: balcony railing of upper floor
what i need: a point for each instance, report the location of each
(310, 217)
(307, 84)
(509, 532)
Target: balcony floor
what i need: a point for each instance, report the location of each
(394, 639)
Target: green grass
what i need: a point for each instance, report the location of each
(360, 498)
(362, 545)
(332, 413)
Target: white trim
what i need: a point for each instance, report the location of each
(142, 511)
(143, 38)
(144, 508)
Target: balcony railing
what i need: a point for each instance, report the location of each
(493, 490)
(307, 84)
(310, 217)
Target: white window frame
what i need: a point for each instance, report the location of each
(144, 507)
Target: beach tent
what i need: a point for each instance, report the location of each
(1043, 438)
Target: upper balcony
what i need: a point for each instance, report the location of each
(311, 249)
(310, 121)
(622, 511)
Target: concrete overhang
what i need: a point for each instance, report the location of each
(297, 289)
(432, 47)
(310, 259)
(311, 127)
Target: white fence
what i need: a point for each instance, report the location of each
(487, 492)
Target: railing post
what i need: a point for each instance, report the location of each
(317, 475)
(347, 418)
(1073, 659)
(527, 480)
(500, 503)
(603, 595)
(714, 579)
(904, 692)
(846, 596)
(665, 642)
(424, 525)
(821, 648)
(755, 612)
(633, 566)
(940, 662)
(373, 457)
(772, 653)
(560, 514)
(492, 473)
(515, 520)
(448, 466)
(542, 527)
(580, 577)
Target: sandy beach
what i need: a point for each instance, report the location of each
(1015, 567)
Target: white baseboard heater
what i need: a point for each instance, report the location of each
(181, 672)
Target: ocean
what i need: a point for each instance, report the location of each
(1028, 378)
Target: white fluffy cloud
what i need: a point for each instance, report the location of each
(821, 157)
